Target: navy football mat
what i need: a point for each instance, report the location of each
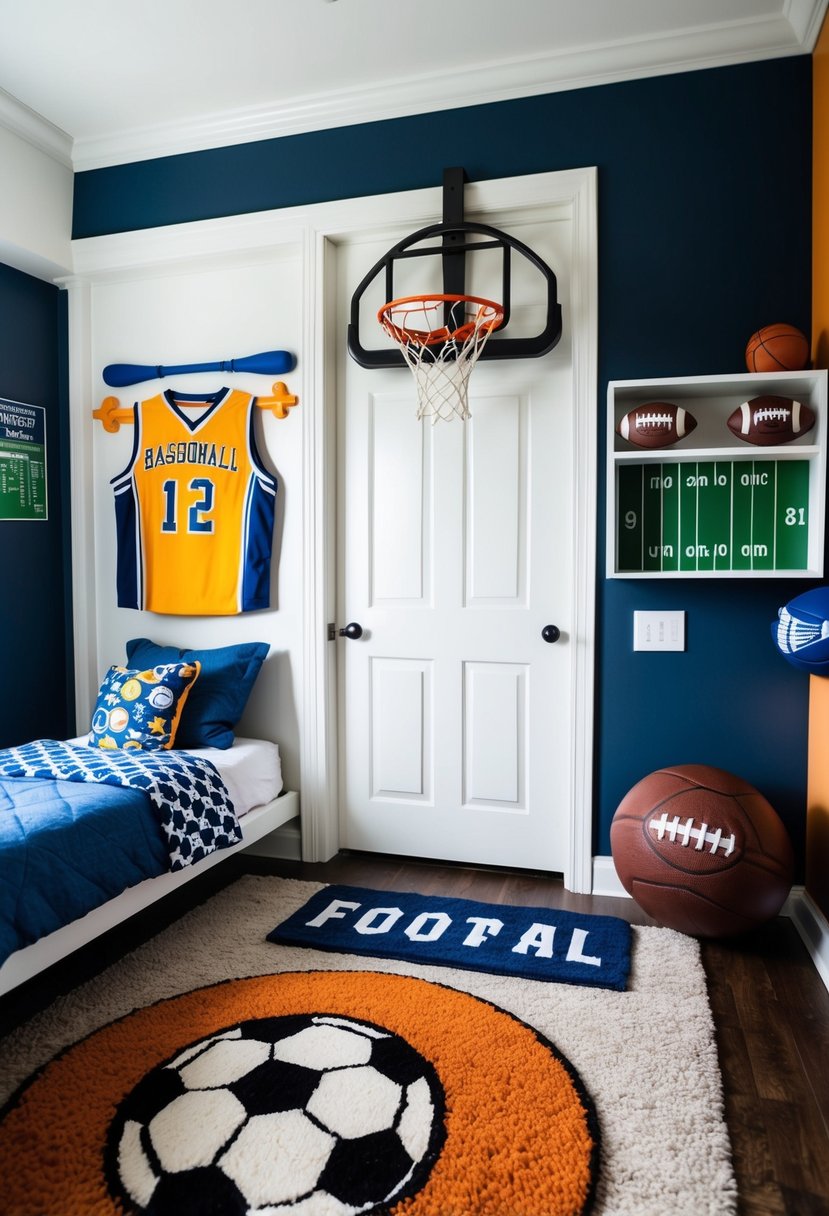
(530, 943)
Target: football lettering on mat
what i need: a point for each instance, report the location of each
(713, 515)
(538, 943)
(538, 939)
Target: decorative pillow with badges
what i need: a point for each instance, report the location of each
(227, 677)
(140, 709)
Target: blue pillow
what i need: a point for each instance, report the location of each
(219, 695)
(139, 708)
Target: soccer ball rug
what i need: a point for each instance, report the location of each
(308, 1093)
(290, 1114)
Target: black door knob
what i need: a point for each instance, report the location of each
(352, 630)
(551, 633)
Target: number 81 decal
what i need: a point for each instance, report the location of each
(197, 508)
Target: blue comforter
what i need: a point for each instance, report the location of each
(67, 848)
(77, 830)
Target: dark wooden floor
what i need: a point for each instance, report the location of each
(771, 1011)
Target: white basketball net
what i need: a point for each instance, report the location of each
(441, 358)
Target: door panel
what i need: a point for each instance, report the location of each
(455, 550)
(399, 505)
(495, 745)
(400, 729)
(495, 530)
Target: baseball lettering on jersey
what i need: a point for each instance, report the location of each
(191, 453)
(194, 508)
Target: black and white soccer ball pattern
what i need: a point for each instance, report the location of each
(297, 1115)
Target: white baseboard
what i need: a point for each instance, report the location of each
(285, 843)
(813, 928)
(808, 919)
(606, 880)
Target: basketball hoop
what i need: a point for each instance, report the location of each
(441, 337)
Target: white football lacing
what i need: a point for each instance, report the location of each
(653, 420)
(683, 832)
(774, 413)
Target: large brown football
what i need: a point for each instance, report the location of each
(769, 420)
(702, 851)
(656, 424)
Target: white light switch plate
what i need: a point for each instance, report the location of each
(659, 630)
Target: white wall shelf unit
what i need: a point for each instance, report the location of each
(712, 505)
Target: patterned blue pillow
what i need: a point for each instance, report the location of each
(140, 710)
(227, 677)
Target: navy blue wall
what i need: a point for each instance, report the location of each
(704, 235)
(35, 620)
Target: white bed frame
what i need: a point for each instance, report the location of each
(31, 960)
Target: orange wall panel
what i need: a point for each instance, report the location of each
(820, 200)
(817, 825)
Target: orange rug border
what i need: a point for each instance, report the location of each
(383, 1001)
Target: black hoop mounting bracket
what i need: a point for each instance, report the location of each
(457, 239)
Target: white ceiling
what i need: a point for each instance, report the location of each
(97, 82)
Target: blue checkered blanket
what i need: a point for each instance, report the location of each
(79, 825)
(190, 798)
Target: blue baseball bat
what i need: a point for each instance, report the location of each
(266, 363)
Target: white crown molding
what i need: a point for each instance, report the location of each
(31, 263)
(806, 18)
(716, 45)
(22, 121)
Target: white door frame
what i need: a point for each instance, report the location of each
(415, 209)
(318, 229)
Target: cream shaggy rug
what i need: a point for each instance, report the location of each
(647, 1056)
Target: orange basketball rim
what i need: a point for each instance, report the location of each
(479, 315)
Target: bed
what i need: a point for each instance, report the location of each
(96, 828)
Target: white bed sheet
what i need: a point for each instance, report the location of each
(251, 769)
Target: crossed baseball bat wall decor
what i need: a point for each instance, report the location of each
(266, 363)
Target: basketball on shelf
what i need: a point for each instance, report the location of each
(702, 851)
(801, 631)
(777, 348)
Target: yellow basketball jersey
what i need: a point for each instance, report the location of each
(194, 508)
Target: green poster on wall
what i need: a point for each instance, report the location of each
(712, 515)
(22, 461)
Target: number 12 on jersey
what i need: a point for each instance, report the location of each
(197, 508)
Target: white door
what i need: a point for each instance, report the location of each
(455, 550)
